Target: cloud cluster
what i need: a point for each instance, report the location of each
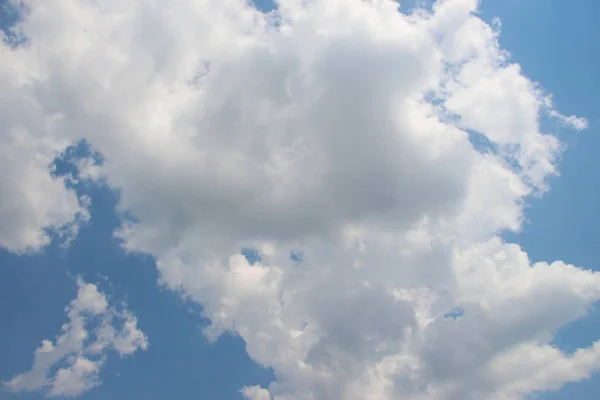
(71, 364)
(390, 150)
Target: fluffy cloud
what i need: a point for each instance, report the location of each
(391, 150)
(71, 364)
(32, 201)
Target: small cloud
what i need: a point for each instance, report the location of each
(83, 350)
(570, 121)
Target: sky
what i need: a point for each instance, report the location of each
(342, 200)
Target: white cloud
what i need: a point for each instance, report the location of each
(569, 121)
(32, 201)
(340, 130)
(71, 364)
(256, 393)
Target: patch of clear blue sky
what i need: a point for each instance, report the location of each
(555, 42)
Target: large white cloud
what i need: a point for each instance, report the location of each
(340, 129)
(71, 364)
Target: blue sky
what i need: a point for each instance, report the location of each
(554, 43)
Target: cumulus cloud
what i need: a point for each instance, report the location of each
(71, 364)
(390, 150)
(33, 202)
